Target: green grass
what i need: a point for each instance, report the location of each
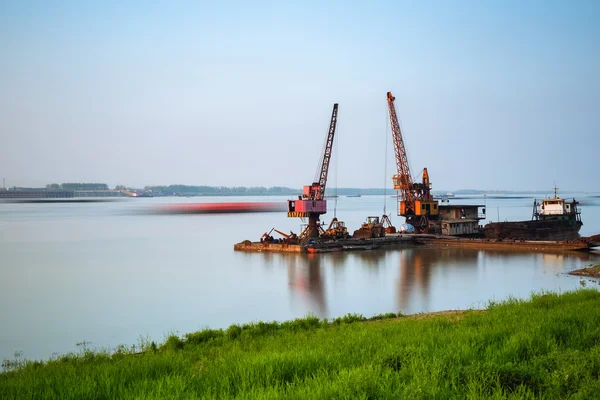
(546, 347)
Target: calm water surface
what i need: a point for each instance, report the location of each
(103, 274)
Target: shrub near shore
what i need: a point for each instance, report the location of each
(548, 346)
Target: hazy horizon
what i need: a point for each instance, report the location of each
(333, 190)
(494, 96)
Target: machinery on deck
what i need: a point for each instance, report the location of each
(311, 204)
(372, 228)
(336, 230)
(415, 201)
(387, 224)
(266, 237)
(292, 238)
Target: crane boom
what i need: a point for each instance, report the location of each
(416, 202)
(403, 180)
(311, 204)
(327, 154)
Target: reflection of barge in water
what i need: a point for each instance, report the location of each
(581, 244)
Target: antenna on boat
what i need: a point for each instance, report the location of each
(555, 189)
(484, 202)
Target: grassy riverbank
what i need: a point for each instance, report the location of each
(548, 347)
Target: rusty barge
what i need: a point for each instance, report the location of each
(402, 240)
(433, 224)
(327, 246)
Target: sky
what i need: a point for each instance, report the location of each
(490, 95)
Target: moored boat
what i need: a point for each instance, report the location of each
(552, 219)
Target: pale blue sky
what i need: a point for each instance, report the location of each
(491, 95)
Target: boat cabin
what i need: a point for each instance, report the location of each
(556, 208)
(460, 220)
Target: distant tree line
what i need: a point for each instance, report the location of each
(254, 190)
(220, 190)
(77, 186)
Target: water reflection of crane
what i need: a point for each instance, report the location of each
(370, 258)
(416, 266)
(304, 275)
(306, 278)
(414, 272)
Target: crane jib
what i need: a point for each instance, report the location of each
(327, 153)
(415, 200)
(311, 204)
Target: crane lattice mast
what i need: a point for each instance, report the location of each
(403, 180)
(415, 201)
(311, 204)
(327, 155)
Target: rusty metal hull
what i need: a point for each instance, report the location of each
(255, 247)
(349, 244)
(408, 240)
(533, 230)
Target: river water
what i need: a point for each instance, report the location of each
(105, 274)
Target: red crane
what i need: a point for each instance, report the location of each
(415, 201)
(311, 204)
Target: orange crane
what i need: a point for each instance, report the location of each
(415, 201)
(311, 204)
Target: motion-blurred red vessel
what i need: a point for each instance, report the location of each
(213, 208)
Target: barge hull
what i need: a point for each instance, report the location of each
(406, 240)
(533, 230)
(328, 246)
(255, 247)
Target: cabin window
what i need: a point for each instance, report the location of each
(435, 206)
